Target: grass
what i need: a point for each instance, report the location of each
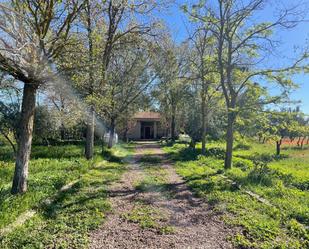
(148, 218)
(155, 175)
(155, 180)
(66, 221)
(282, 181)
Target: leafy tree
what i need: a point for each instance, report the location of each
(109, 28)
(241, 44)
(203, 74)
(172, 87)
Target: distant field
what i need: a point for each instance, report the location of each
(277, 216)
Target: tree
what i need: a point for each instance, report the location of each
(33, 34)
(130, 73)
(172, 88)
(107, 27)
(241, 45)
(204, 73)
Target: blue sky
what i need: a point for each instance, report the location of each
(177, 23)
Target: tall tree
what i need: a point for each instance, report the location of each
(33, 33)
(241, 45)
(172, 88)
(204, 73)
(130, 75)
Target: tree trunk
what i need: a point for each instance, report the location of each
(91, 122)
(302, 142)
(203, 125)
(90, 136)
(192, 144)
(25, 139)
(111, 134)
(260, 139)
(173, 124)
(278, 147)
(125, 135)
(229, 141)
(62, 132)
(298, 141)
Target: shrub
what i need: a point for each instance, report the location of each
(302, 185)
(264, 157)
(216, 152)
(261, 174)
(242, 146)
(298, 230)
(243, 164)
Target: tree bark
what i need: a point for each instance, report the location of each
(302, 142)
(91, 123)
(173, 124)
(278, 147)
(125, 135)
(25, 139)
(62, 132)
(111, 134)
(229, 141)
(90, 136)
(203, 125)
(298, 141)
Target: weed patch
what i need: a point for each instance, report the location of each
(148, 218)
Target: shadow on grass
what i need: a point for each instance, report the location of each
(305, 147)
(109, 156)
(79, 196)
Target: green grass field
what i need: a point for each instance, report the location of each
(283, 183)
(67, 219)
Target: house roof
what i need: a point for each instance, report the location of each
(147, 115)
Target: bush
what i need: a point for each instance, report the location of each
(242, 146)
(262, 174)
(298, 230)
(216, 152)
(266, 157)
(243, 164)
(304, 186)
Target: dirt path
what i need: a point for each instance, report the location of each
(192, 221)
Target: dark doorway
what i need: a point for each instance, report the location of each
(147, 130)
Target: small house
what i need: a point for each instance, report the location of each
(146, 126)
